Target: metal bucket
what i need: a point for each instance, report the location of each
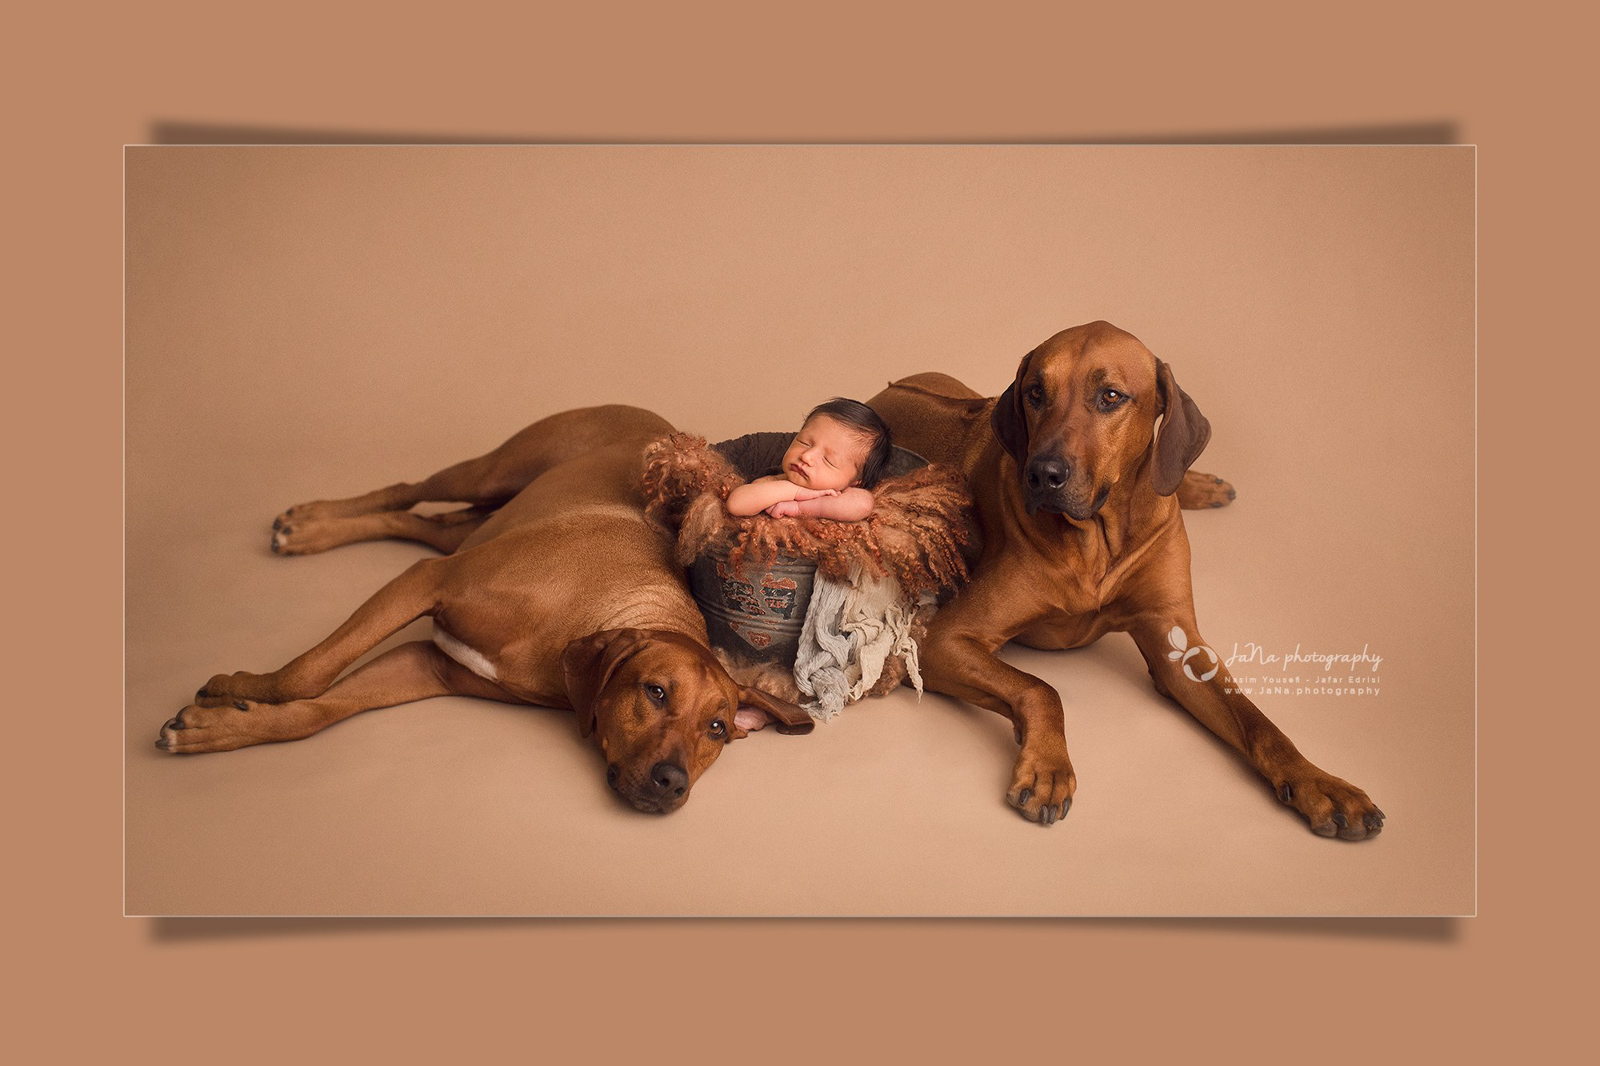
(757, 611)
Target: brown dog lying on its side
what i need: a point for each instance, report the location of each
(1082, 536)
(555, 590)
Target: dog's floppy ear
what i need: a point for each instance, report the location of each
(757, 708)
(588, 663)
(1010, 424)
(1183, 436)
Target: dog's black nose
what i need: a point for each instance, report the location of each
(1046, 474)
(669, 778)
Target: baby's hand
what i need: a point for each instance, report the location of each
(813, 494)
(784, 509)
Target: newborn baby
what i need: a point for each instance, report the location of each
(828, 471)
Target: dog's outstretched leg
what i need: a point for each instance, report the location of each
(413, 671)
(444, 532)
(1186, 670)
(490, 480)
(961, 662)
(408, 597)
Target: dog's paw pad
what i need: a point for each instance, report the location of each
(1333, 807)
(1041, 787)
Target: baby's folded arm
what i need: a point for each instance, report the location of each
(757, 496)
(851, 505)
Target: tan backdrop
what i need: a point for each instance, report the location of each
(316, 321)
(95, 986)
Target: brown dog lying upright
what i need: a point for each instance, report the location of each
(556, 591)
(1082, 536)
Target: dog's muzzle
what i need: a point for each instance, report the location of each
(663, 790)
(1046, 478)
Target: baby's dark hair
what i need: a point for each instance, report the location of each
(863, 419)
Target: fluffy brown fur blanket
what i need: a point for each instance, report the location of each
(919, 523)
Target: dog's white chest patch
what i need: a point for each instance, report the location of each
(473, 660)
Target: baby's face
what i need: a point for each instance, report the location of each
(825, 454)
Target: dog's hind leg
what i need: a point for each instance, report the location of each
(408, 597)
(490, 480)
(413, 671)
(444, 532)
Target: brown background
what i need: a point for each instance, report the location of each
(104, 985)
(306, 321)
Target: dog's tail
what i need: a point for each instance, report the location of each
(1198, 491)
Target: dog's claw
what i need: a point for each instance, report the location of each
(1041, 783)
(1348, 831)
(1331, 806)
(241, 705)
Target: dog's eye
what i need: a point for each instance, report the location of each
(1110, 398)
(656, 693)
(1035, 395)
(719, 728)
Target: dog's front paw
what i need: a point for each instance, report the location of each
(215, 724)
(305, 536)
(1332, 806)
(315, 511)
(1042, 784)
(220, 728)
(239, 685)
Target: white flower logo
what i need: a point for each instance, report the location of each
(1182, 652)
